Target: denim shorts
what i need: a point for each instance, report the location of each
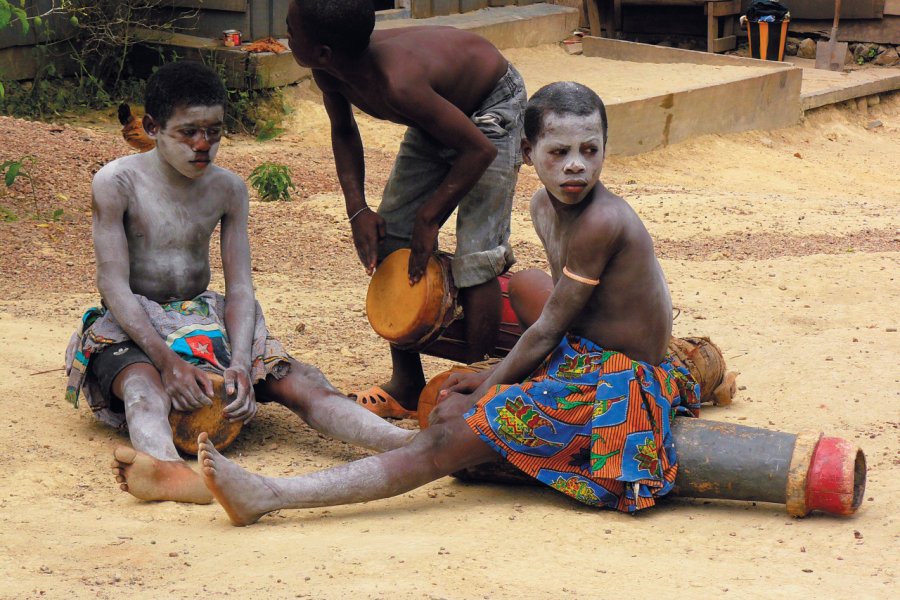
(482, 222)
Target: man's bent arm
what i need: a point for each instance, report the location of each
(346, 143)
(452, 128)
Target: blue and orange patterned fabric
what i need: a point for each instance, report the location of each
(592, 424)
(194, 329)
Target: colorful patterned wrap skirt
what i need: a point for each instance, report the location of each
(194, 329)
(592, 424)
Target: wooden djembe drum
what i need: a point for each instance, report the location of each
(186, 426)
(425, 317)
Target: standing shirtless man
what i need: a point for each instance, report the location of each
(584, 400)
(463, 103)
(148, 349)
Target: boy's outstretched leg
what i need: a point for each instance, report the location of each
(152, 469)
(309, 395)
(435, 452)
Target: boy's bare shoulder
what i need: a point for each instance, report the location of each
(606, 221)
(116, 177)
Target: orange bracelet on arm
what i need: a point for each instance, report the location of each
(579, 278)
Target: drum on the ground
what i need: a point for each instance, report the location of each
(186, 426)
(426, 317)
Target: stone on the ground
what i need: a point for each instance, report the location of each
(888, 58)
(874, 124)
(807, 48)
(864, 52)
(873, 99)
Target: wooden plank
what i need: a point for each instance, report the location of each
(593, 13)
(892, 7)
(878, 31)
(470, 5)
(721, 9)
(723, 44)
(444, 7)
(822, 9)
(420, 9)
(226, 5)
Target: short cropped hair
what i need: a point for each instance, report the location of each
(562, 98)
(343, 25)
(182, 83)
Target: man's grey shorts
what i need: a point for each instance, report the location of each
(482, 221)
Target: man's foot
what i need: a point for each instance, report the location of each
(149, 478)
(377, 400)
(242, 494)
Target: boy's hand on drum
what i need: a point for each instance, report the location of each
(450, 406)
(238, 386)
(187, 386)
(422, 245)
(369, 231)
(462, 383)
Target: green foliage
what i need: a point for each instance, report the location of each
(272, 181)
(8, 11)
(269, 130)
(14, 169)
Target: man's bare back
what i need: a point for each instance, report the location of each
(414, 58)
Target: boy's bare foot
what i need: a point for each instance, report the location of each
(149, 478)
(243, 495)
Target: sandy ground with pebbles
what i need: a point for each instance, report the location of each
(782, 246)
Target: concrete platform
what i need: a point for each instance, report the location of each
(821, 88)
(716, 94)
(505, 27)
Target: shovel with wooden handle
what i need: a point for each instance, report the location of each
(831, 55)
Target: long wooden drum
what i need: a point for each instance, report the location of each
(806, 471)
(425, 317)
(186, 426)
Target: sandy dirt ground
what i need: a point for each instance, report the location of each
(782, 246)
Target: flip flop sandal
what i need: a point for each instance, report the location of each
(378, 401)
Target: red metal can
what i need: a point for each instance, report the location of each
(231, 38)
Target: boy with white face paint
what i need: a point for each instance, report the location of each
(148, 349)
(584, 400)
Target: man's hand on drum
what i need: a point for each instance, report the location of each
(187, 386)
(237, 383)
(422, 246)
(452, 405)
(368, 232)
(462, 383)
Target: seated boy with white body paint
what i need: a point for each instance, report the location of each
(147, 350)
(584, 400)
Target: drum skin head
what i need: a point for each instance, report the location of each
(399, 312)
(186, 426)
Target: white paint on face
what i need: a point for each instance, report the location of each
(568, 155)
(190, 140)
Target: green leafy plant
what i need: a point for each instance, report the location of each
(269, 130)
(13, 169)
(272, 182)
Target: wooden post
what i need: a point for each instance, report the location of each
(420, 9)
